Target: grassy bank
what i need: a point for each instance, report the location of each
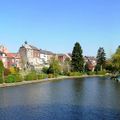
(45, 80)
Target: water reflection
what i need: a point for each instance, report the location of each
(71, 99)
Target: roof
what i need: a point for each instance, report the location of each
(34, 48)
(13, 55)
(46, 52)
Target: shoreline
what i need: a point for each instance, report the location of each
(4, 85)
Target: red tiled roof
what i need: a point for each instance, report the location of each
(13, 55)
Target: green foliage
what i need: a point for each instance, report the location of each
(50, 76)
(91, 73)
(75, 74)
(10, 79)
(55, 67)
(45, 70)
(77, 58)
(18, 78)
(101, 72)
(1, 68)
(116, 60)
(101, 59)
(1, 80)
(42, 76)
(31, 76)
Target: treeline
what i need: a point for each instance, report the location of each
(76, 66)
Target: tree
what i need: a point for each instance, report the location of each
(2, 70)
(66, 66)
(101, 59)
(55, 67)
(77, 58)
(116, 60)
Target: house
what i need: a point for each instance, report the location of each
(14, 60)
(91, 62)
(30, 57)
(46, 56)
(63, 57)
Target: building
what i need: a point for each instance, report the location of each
(46, 56)
(91, 62)
(63, 57)
(14, 60)
(30, 57)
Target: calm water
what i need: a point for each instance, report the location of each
(72, 99)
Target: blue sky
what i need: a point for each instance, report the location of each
(57, 24)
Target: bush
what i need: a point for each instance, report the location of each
(45, 70)
(10, 79)
(75, 74)
(91, 73)
(18, 78)
(50, 76)
(42, 76)
(1, 80)
(101, 72)
(31, 76)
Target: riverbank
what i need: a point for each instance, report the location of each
(45, 80)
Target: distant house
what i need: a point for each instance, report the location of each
(14, 60)
(46, 56)
(30, 56)
(63, 57)
(91, 62)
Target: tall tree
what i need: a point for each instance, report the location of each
(77, 58)
(2, 70)
(116, 60)
(101, 59)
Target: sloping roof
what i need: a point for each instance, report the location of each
(46, 52)
(13, 55)
(34, 48)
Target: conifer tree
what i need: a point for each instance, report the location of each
(77, 58)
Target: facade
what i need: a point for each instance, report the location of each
(9, 59)
(14, 60)
(46, 56)
(63, 57)
(30, 56)
(91, 62)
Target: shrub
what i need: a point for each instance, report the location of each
(45, 70)
(18, 78)
(50, 76)
(91, 73)
(101, 72)
(31, 76)
(1, 80)
(42, 76)
(75, 73)
(10, 79)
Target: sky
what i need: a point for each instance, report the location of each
(56, 25)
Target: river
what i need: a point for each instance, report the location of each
(92, 98)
